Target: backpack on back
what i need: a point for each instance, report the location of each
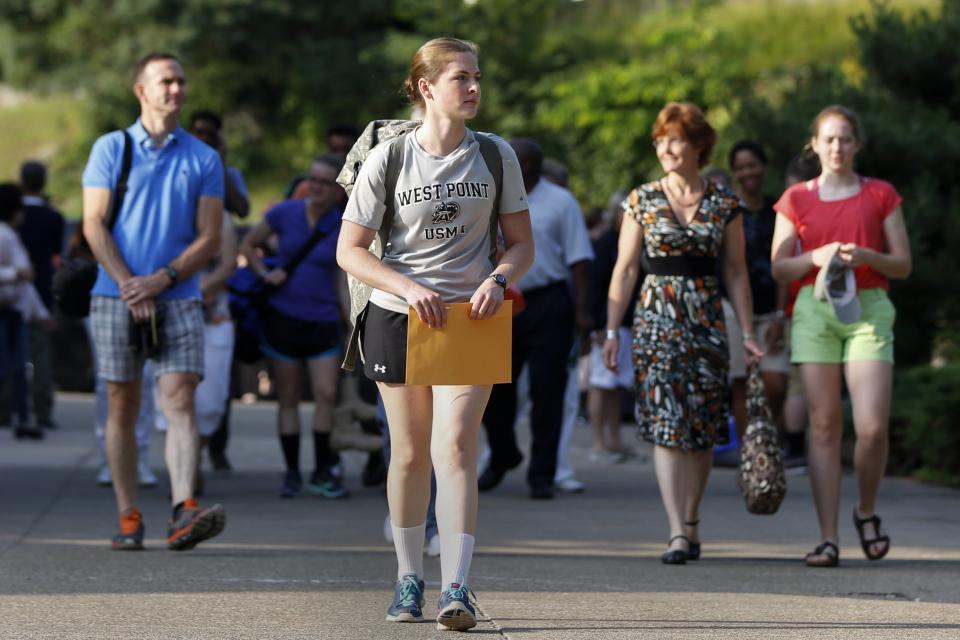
(394, 133)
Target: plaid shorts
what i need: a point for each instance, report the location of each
(181, 339)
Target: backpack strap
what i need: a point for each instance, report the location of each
(394, 166)
(121, 189)
(494, 161)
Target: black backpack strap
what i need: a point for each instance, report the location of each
(494, 161)
(120, 191)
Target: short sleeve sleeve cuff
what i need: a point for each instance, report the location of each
(785, 205)
(891, 199)
(212, 177)
(367, 202)
(634, 204)
(514, 196)
(99, 172)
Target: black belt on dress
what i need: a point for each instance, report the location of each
(688, 266)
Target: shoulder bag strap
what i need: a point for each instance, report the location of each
(318, 234)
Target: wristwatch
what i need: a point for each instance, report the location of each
(500, 279)
(171, 273)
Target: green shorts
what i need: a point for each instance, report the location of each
(817, 335)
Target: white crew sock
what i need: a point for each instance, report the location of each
(409, 545)
(456, 553)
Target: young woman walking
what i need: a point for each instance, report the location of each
(841, 213)
(432, 260)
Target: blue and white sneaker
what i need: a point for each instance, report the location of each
(454, 610)
(407, 605)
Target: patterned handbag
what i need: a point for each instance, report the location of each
(760, 475)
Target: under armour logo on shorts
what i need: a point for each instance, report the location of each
(379, 368)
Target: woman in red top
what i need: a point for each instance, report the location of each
(860, 220)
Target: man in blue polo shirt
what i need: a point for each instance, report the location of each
(146, 300)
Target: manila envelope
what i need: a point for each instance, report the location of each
(465, 351)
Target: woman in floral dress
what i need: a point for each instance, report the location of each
(675, 230)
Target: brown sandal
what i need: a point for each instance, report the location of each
(867, 544)
(825, 555)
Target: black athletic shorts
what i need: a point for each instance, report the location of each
(289, 338)
(383, 345)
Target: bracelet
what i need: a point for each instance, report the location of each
(749, 336)
(612, 334)
(780, 314)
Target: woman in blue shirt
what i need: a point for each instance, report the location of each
(303, 318)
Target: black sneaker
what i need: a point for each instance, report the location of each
(220, 462)
(28, 432)
(493, 475)
(538, 492)
(292, 485)
(192, 525)
(795, 464)
(407, 605)
(327, 484)
(454, 609)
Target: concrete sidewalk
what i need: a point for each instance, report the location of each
(580, 566)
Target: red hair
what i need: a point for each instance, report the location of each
(688, 120)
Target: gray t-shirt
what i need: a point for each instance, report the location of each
(441, 229)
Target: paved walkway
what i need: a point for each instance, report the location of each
(581, 566)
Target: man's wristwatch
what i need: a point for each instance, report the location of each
(171, 273)
(500, 279)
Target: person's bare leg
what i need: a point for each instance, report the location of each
(177, 398)
(870, 384)
(288, 388)
(822, 384)
(324, 379)
(698, 465)
(672, 479)
(410, 418)
(123, 407)
(595, 409)
(738, 404)
(611, 416)
(795, 414)
(775, 384)
(457, 411)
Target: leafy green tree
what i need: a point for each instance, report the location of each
(283, 68)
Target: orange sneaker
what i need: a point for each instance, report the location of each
(130, 537)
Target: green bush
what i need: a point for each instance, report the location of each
(924, 438)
